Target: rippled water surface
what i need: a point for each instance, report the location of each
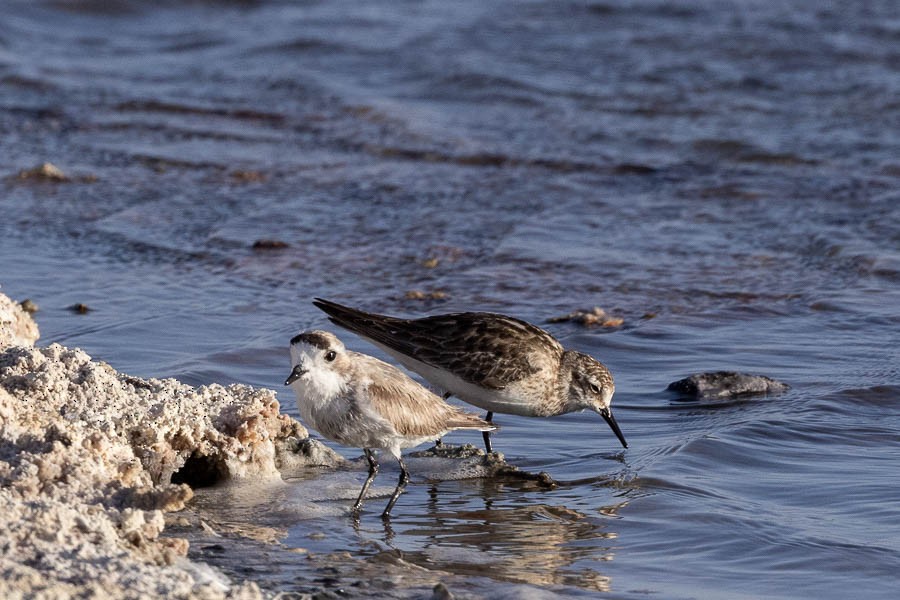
(722, 176)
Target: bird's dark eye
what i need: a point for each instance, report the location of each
(595, 388)
(331, 355)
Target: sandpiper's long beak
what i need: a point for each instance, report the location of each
(607, 415)
(296, 373)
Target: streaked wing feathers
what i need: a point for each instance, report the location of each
(481, 348)
(412, 409)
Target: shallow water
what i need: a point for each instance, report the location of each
(724, 177)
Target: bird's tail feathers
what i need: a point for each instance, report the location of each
(469, 421)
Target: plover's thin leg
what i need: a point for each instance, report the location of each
(401, 484)
(373, 470)
(486, 434)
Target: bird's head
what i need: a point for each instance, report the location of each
(319, 363)
(591, 386)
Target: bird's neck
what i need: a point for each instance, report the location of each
(565, 399)
(319, 388)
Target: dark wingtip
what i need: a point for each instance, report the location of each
(340, 315)
(329, 307)
(322, 302)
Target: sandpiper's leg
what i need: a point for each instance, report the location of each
(487, 434)
(373, 470)
(401, 484)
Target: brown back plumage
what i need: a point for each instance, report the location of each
(411, 409)
(481, 348)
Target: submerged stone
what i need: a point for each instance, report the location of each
(726, 384)
(595, 317)
(470, 462)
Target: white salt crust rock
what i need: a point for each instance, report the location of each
(17, 328)
(86, 458)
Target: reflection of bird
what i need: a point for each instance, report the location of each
(495, 362)
(535, 543)
(360, 401)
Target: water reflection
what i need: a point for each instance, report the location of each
(539, 544)
(482, 528)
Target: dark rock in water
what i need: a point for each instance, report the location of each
(48, 172)
(725, 384)
(29, 306)
(80, 309)
(589, 318)
(492, 466)
(501, 469)
(441, 592)
(450, 451)
(44, 172)
(267, 244)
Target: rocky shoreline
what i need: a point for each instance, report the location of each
(92, 459)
